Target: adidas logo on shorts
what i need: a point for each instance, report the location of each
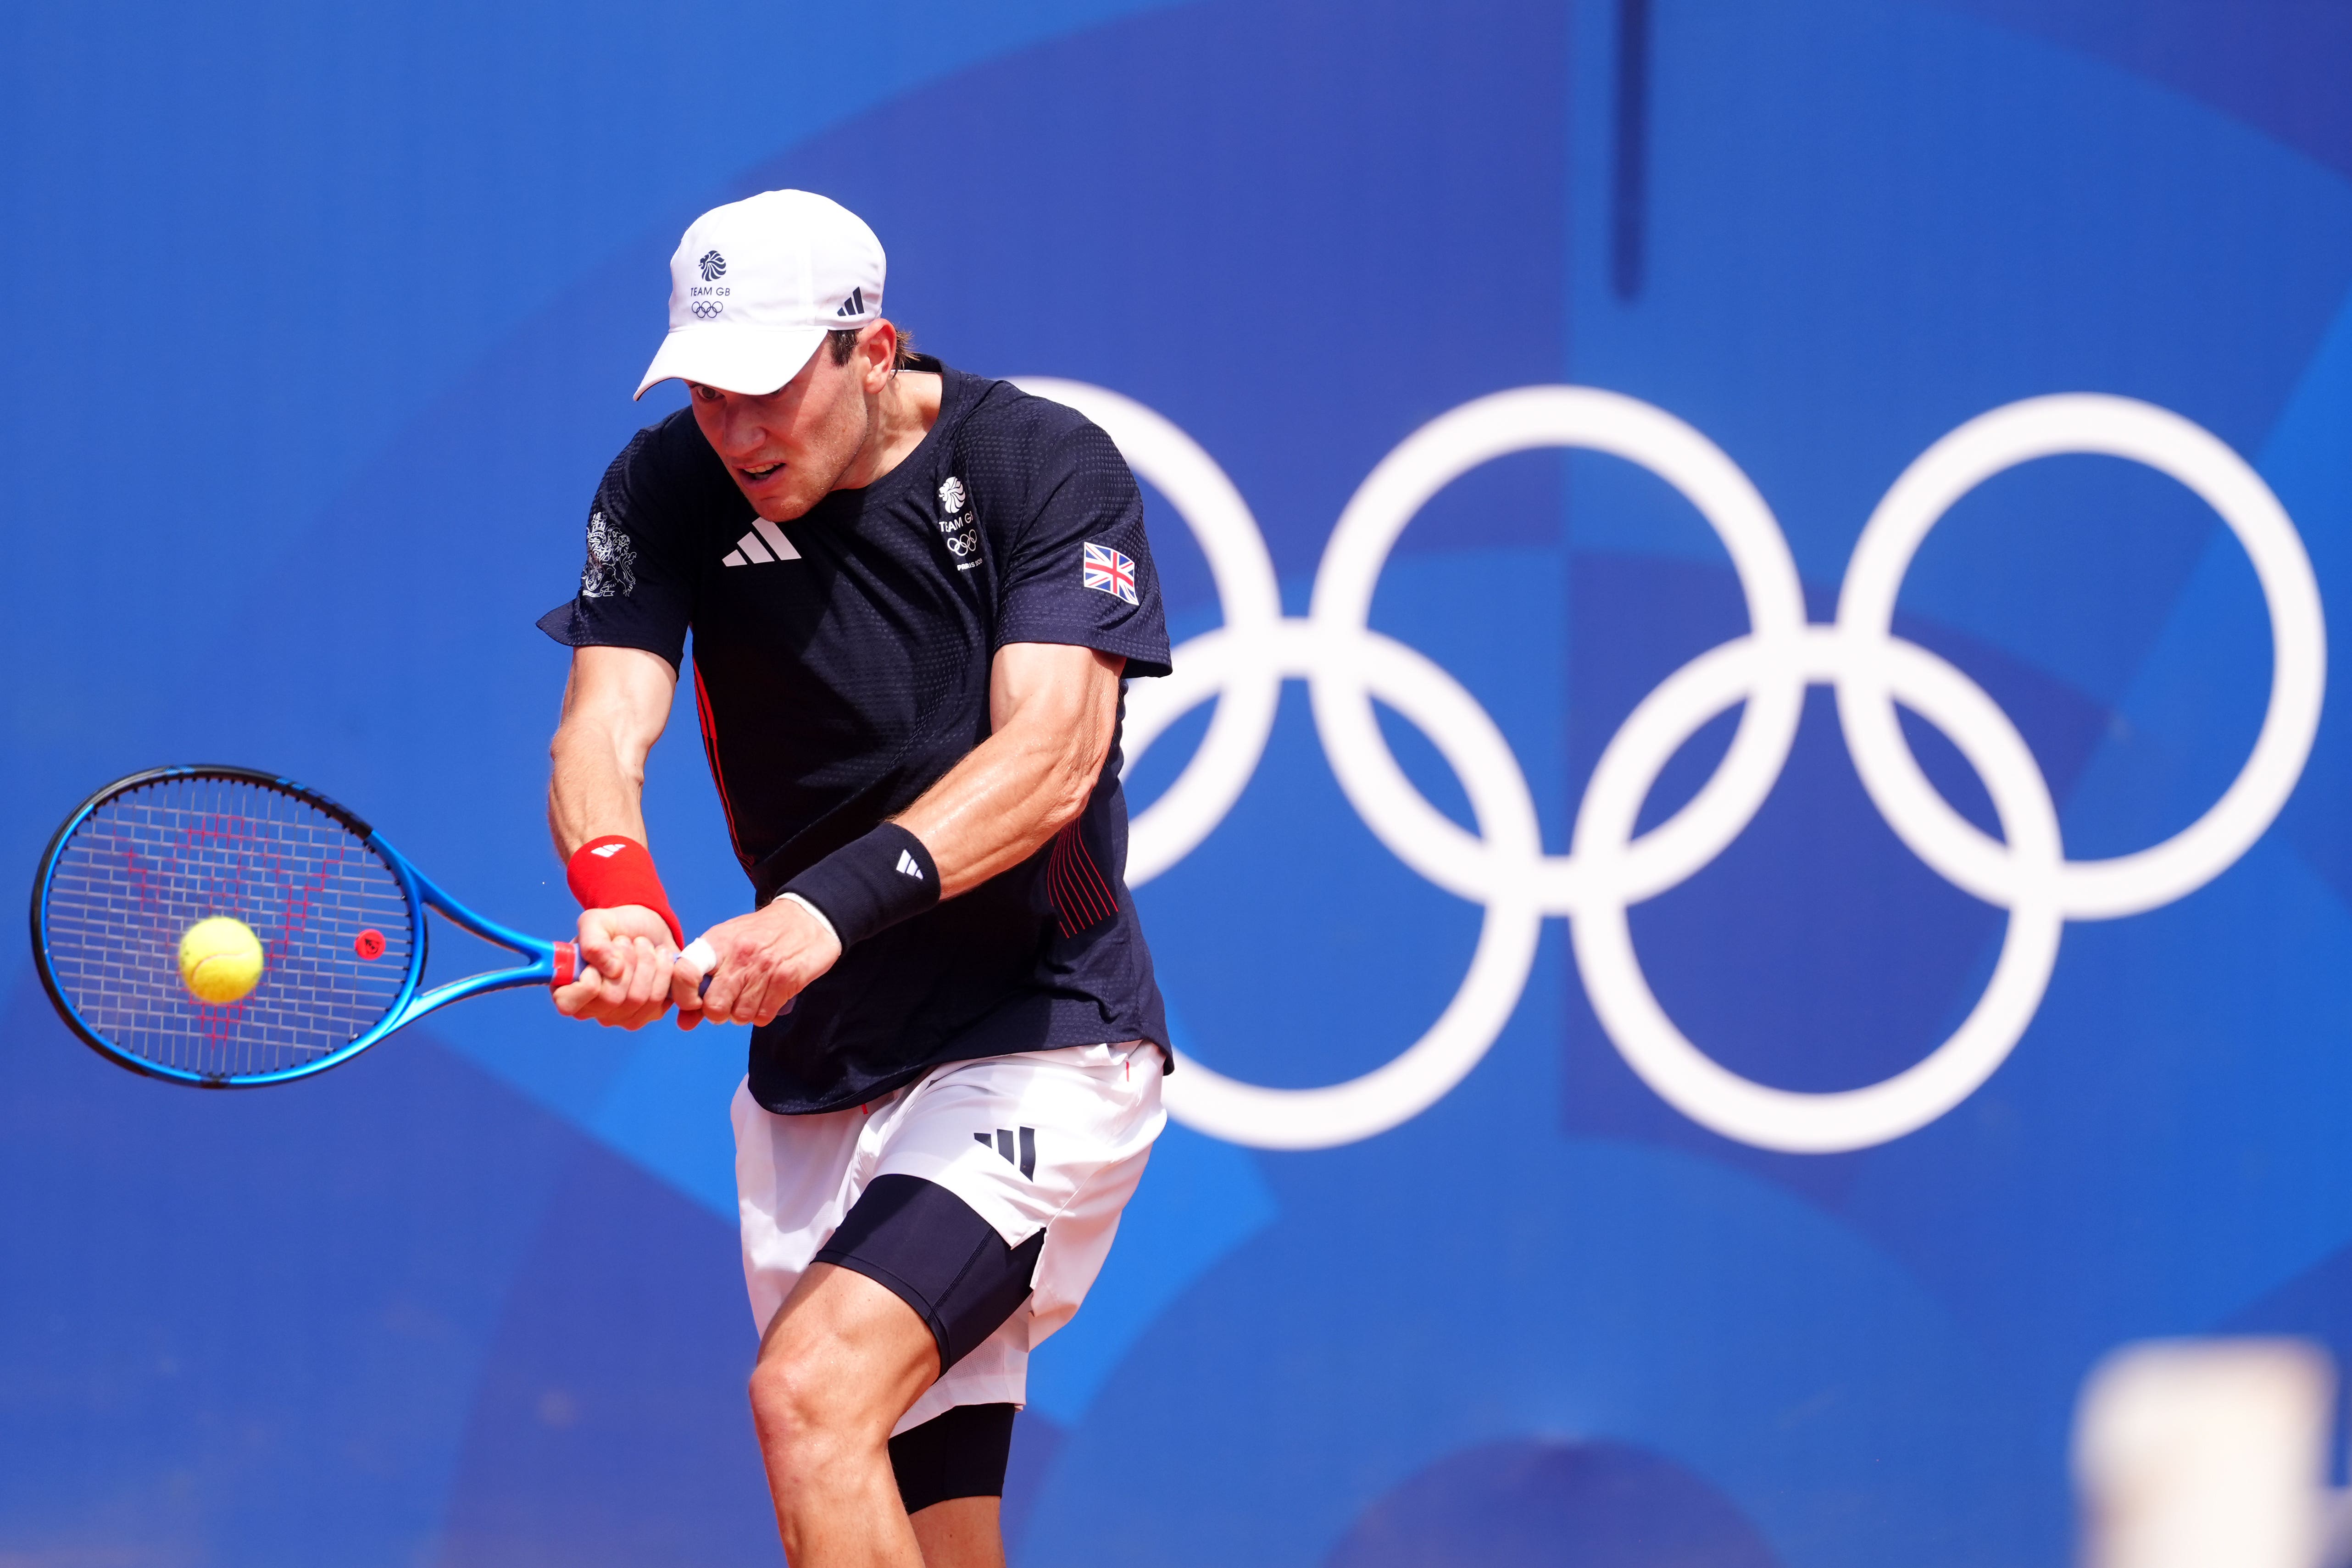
(1003, 1144)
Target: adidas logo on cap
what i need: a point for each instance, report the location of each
(755, 286)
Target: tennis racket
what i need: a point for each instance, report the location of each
(337, 915)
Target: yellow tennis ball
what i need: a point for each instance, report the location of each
(220, 959)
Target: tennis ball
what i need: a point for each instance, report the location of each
(220, 959)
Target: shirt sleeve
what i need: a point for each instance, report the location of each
(1080, 569)
(633, 591)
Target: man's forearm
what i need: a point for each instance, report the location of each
(994, 808)
(614, 706)
(593, 790)
(1057, 709)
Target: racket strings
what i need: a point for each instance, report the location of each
(149, 863)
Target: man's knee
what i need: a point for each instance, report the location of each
(842, 1362)
(793, 1402)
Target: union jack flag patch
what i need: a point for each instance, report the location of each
(1108, 570)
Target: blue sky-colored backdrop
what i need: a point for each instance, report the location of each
(318, 324)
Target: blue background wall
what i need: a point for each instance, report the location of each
(317, 325)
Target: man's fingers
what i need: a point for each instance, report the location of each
(648, 995)
(605, 956)
(603, 946)
(718, 1001)
(648, 976)
(688, 973)
(774, 995)
(742, 985)
(580, 996)
(624, 979)
(752, 1002)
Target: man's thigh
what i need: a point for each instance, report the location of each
(855, 1354)
(956, 1194)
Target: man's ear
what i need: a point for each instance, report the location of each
(880, 347)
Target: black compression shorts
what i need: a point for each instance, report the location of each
(959, 1454)
(926, 1245)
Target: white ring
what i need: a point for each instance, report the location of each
(1685, 1077)
(2143, 433)
(1608, 869)
(1442, 451)
(1412, 1082)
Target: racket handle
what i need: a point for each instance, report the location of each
(567, 964)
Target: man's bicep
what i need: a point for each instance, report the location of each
(1056, 685)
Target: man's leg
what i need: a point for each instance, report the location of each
(842, 1361)
(917, 1276)
(951, 1477)
(961, 1533)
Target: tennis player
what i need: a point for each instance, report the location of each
(914, 595)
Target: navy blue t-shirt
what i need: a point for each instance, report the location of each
(841, 668)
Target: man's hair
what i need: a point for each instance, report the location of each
(844, 343)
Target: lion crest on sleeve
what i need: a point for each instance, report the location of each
(611, 566)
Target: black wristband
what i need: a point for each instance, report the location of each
(870, 884)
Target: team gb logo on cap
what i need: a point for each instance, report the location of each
(713, 265)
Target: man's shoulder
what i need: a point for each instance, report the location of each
(1021, 446)
(1003, 409)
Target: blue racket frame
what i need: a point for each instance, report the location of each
(552, 963)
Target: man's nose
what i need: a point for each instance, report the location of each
(742, 434)
(742, 431)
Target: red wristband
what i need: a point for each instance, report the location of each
(608, 872)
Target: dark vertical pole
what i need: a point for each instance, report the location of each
(1628, 189)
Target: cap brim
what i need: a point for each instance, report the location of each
(754, 360)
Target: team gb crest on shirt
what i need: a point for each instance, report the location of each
(956, 528)
(1108, 570)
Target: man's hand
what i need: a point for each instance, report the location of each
(764, 959)
(625, 958)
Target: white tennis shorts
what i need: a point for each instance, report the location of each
(1089, 1114)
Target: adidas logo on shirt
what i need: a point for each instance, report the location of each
(907, 866)
(751, 550)
(1003, 1144)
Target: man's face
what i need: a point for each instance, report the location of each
(788, 450)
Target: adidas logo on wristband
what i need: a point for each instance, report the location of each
(870, 883)
(614, 871)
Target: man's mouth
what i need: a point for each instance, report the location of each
(761, 473)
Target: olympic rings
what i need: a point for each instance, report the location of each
(1608, 869)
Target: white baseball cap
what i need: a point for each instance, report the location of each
(756, 285)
